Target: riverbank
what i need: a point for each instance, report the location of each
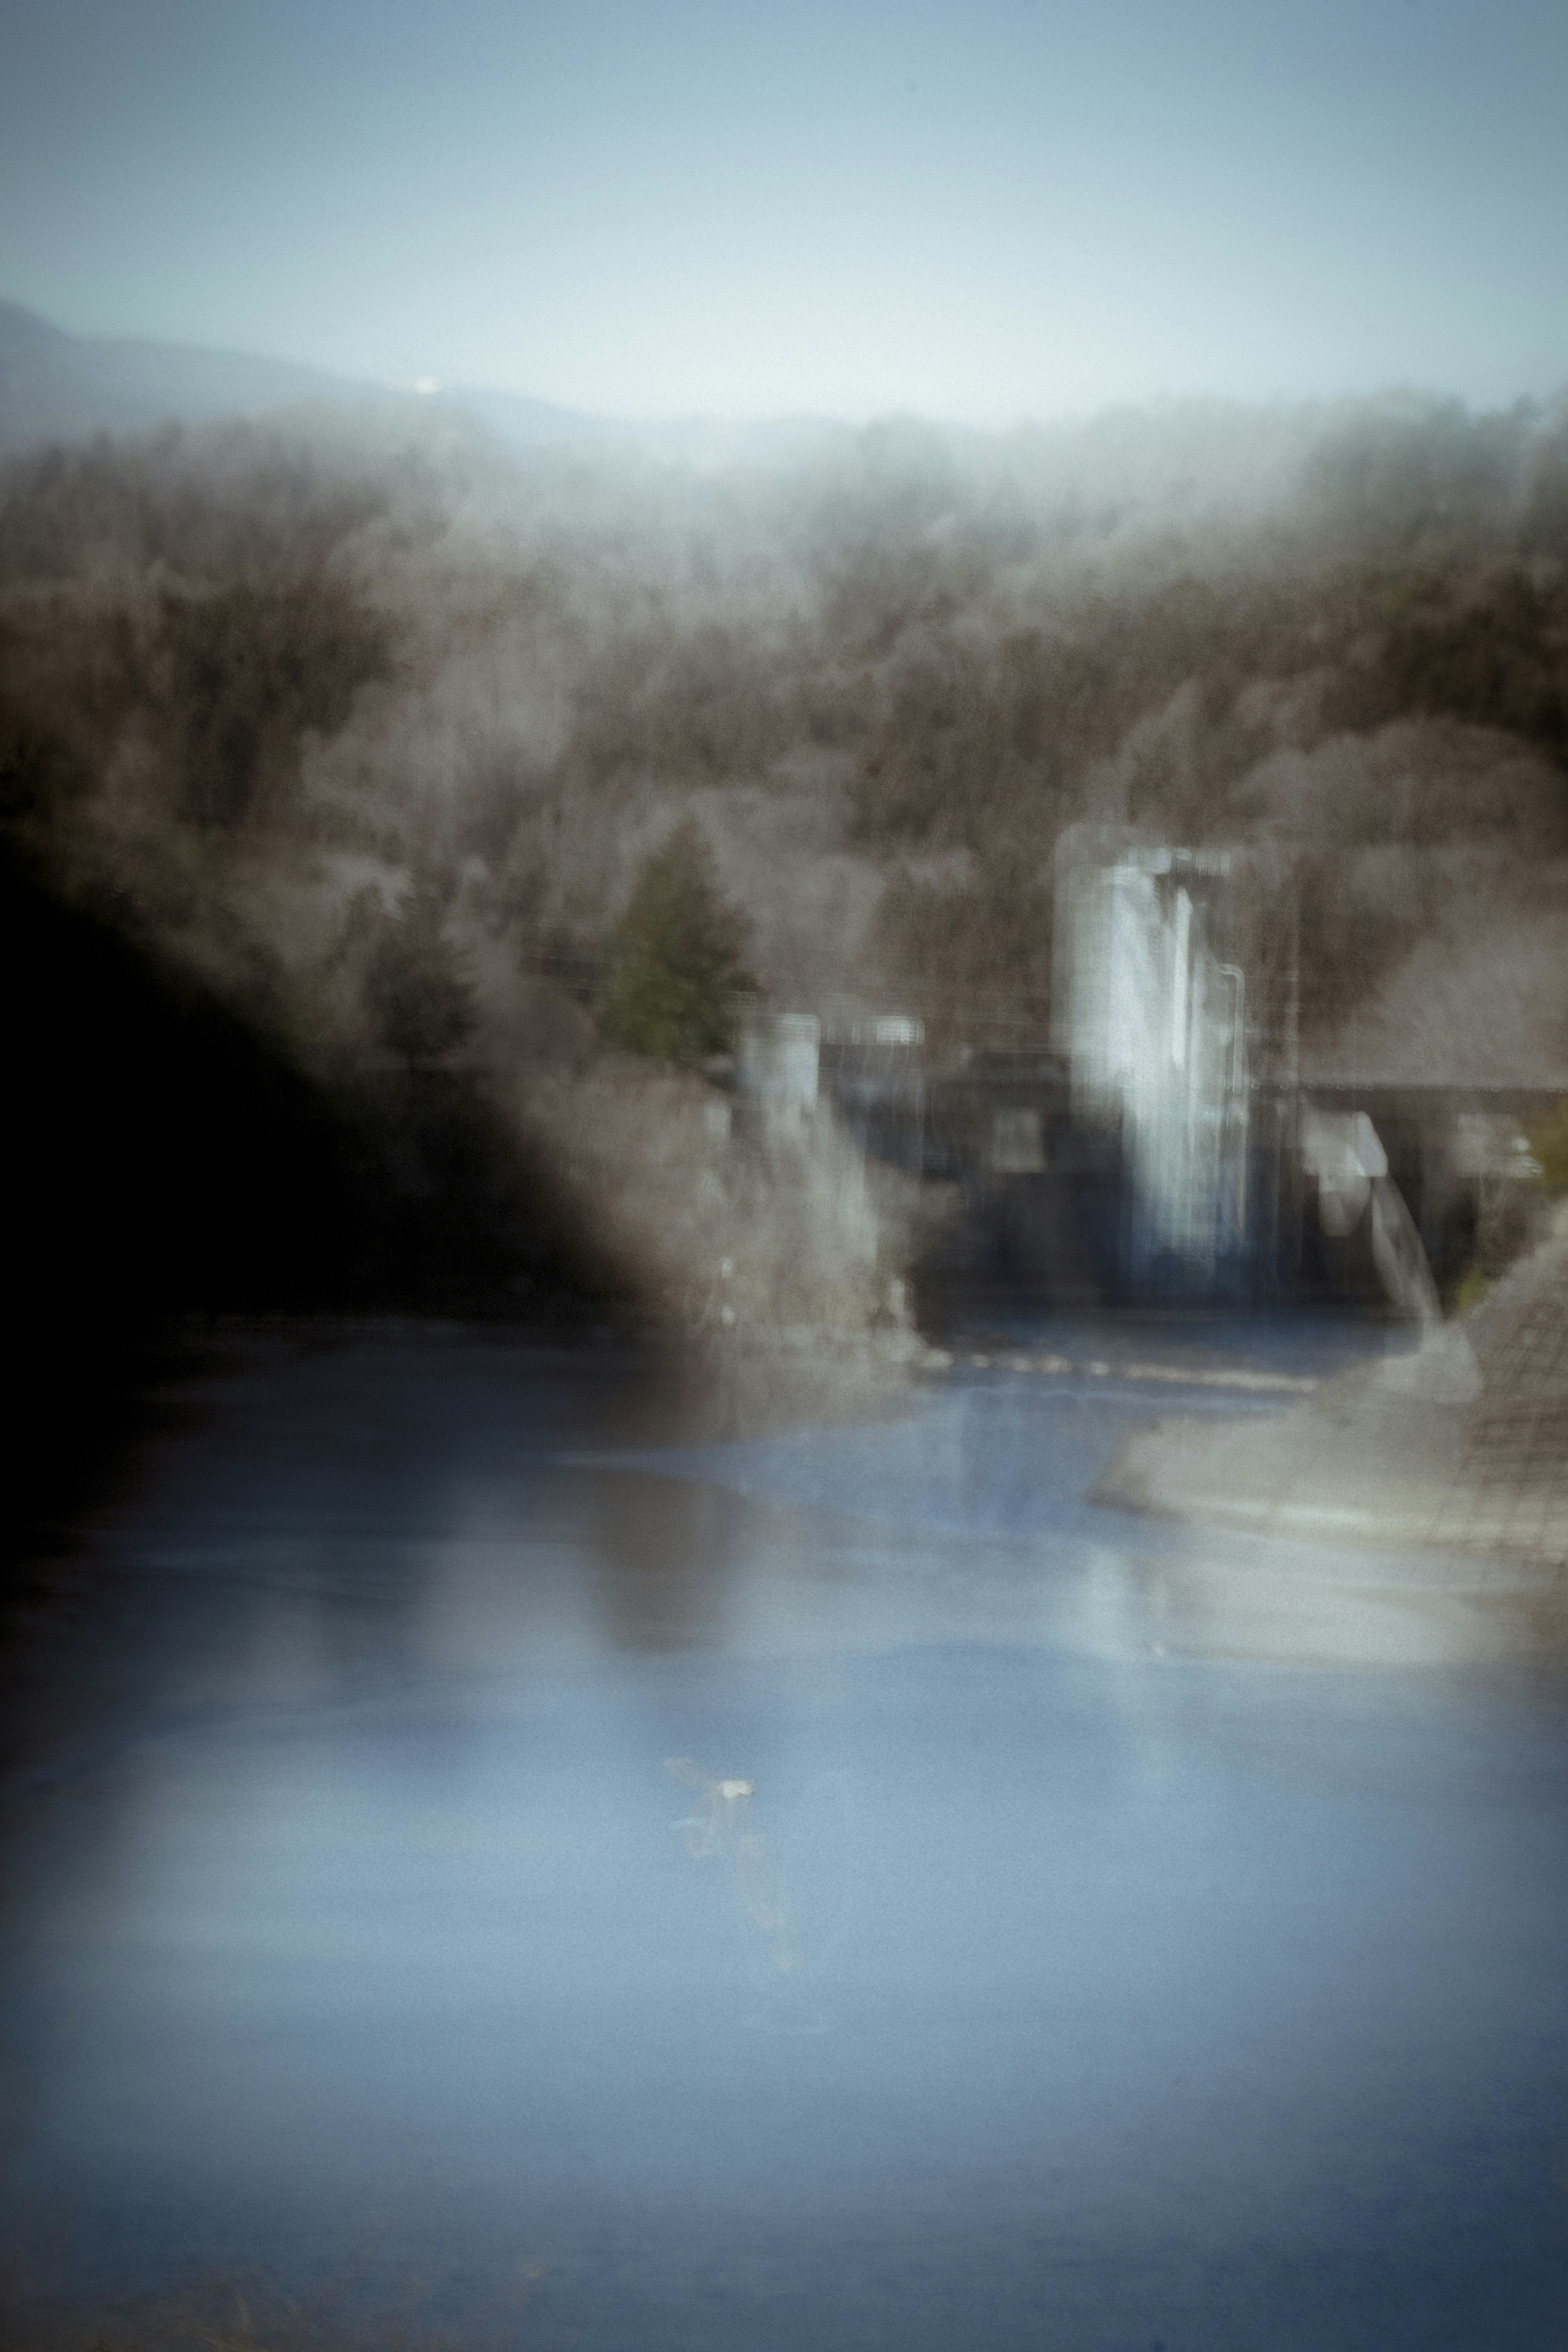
(1460, 1446)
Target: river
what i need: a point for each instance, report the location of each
(653, 1875)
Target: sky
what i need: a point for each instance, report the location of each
(1021, 208)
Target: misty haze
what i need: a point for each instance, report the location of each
(789, 1512)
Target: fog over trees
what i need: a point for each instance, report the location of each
(370, 729)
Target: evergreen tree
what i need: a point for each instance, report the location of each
(674, 968)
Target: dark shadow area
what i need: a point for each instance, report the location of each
(169, 1165)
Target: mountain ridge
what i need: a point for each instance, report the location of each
(60, 387)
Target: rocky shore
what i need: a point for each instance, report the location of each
(1461, 1446)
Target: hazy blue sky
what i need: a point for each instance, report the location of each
(1011, 209)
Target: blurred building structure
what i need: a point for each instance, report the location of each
(1165, 1143)
(1152, 1012)
(779, 1066)
(873, 1066)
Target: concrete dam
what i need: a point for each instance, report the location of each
(1166, 1142)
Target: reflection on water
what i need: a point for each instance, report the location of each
(1071, 1932)
(665, 1553)
(797, 1938)
(716, 1829)
(1288, 1604)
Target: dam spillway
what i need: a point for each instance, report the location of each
(1165, 1141)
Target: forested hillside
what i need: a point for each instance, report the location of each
(369, 731)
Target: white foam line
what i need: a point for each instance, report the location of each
(1274, 1383)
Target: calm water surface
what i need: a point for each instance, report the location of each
(826, 1885)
